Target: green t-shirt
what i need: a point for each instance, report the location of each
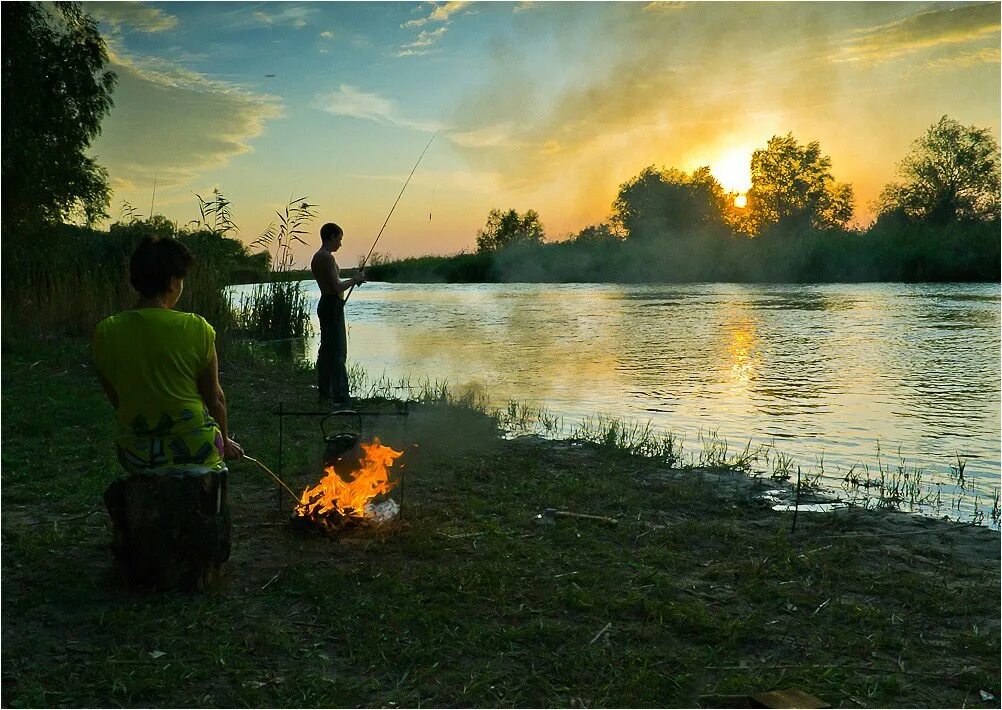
(152, 358)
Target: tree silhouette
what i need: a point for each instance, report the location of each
(597, 234)
(658, 203)
(951, 174)
(506, 229)
(792, 186)
(55, 95)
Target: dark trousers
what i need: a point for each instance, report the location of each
(332, 359)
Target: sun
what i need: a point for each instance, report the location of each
(733, 171)
(740, 201)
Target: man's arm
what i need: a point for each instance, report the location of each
(342, 285)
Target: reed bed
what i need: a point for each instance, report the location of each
(81, 276)
(273, 311)
(68, 278)
(279, 309)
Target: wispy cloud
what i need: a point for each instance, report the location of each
(487, 137)
(131, 15)
(327, 34)
(987, 55)
(175, 124)
(441, 12)
(923, 31)
(350, 101)
(423, 43)
(664, 6)
(638, 98)
(290, 15)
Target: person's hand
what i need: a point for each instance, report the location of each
(232, 450)
(360, 276)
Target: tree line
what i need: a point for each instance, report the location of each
(939, 220)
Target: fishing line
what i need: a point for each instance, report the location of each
(153, 199)
(387, 220)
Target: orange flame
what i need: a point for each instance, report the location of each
(349, 497)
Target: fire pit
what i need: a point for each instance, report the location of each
(348, 496)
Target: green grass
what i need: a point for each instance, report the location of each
(469, 601)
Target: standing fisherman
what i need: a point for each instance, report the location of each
(332, 370)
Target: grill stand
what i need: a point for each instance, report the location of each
(282, 413)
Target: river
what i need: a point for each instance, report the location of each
(837, 377)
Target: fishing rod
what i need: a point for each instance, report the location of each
(387, 220)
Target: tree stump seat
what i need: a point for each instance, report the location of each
(170, 532)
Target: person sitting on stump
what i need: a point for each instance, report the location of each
(160, 370)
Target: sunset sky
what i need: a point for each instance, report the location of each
(545, 106)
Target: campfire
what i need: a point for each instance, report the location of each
(346, 495)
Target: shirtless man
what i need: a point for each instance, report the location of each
(332, 371)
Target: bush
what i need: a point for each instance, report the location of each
(63, 279)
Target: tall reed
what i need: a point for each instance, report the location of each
(63, 279)
(273, 311)
(279, 309)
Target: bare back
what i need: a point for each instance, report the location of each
(325, 272)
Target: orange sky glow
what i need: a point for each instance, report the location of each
(545, 106)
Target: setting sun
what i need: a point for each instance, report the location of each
(740, 201)
(733, 171)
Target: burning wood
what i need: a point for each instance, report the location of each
(344, 497)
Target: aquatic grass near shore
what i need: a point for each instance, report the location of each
(273, 311)
(614, 435)
(630, 438)
(279, 309)
(889, 486)
(900, 486)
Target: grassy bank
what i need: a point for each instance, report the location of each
(469, 601)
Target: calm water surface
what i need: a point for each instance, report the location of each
(839, 370)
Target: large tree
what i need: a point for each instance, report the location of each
(661, 203)
(951, 174)
(506, 229)
(55, 93)
(792, 186)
